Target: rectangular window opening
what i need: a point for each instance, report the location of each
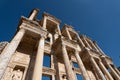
(46, 77)
(109, 70)
(47, 39)
(75, 65)
(47, 60)
(79, 77)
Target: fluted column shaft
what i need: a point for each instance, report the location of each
(97, 69)
(117, 77)
(37, 73)
(68, 67)
(81, 66)
(9, 51)
(105, 70)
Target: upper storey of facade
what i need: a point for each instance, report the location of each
(49, 28)
(36, 39)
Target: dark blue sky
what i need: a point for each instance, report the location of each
(98, 19)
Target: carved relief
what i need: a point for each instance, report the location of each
(64, 77)
(21, 63)
(17, 75)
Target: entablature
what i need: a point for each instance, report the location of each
(69, 27)
(106, 59)
(70, 43)
(32, 26)
(48, 71)
(51, 17)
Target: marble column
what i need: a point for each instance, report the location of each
(93, 45)
(51, 38)
(81, 66)
(37, 73)
(88, 45)
(117, 70)
(44, 22)
(105, 70)
(99, 72)
(9, 51)
(69, 36)
(98, 47)
(81, 42)
(24, 74)
(53, 77)
(68, 67)
(117, 77)
(58, 27)
(33, 14)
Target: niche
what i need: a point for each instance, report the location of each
(17, 73)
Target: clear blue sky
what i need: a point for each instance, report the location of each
(98, 19)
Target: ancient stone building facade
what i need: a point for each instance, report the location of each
(69, 55)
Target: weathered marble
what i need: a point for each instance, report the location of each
(23, 57)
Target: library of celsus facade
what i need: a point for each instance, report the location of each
(40, 50)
